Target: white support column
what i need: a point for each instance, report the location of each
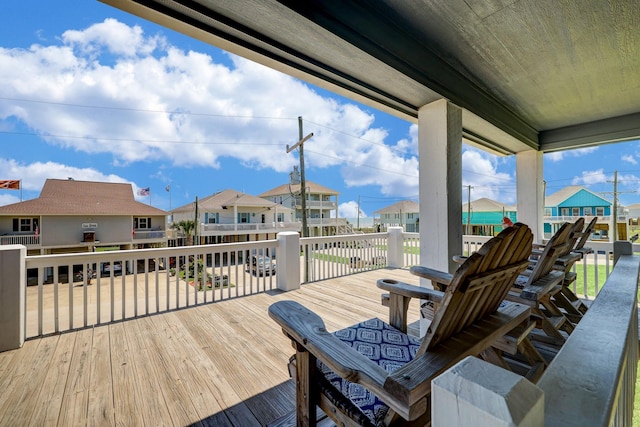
(395, 248)
(288, 277)
(440, 150)
(530, 189)
(12, 296)
(477, 393)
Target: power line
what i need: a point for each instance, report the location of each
(92, 138)
(142, 110)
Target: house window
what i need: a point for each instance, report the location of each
(575, 211)
(243, 217)
(547, 211)
(211, 218)
(142, 223)
(280, 217)
(25, 225)
(588, 211)
(564, 212)
(410, 216)
(600, 211)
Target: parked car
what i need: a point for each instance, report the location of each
(105, 269)
(261, 265)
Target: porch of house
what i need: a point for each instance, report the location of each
(222, 364)
(162, 353)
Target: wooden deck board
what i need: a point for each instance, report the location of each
(221, 364)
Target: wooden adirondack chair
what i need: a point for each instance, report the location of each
(566, 299)
(537, 285)
(373, 373)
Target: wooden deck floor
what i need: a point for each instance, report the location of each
(221, 364)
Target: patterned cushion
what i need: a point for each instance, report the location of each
(381, 343)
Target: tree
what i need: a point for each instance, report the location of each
(187, 227)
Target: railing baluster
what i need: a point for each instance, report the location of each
(56, 307)
(70, 279)
(40, 300)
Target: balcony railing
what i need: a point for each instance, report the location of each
(20, 239)
(267, 227)
(149, 234)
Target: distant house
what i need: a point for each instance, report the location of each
(484, 216)
(78, 216)
(405, 214)
(575, 201)
(233, 216)
(321, 205)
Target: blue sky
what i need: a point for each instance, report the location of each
(96, 94)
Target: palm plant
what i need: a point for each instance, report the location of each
(187, 227)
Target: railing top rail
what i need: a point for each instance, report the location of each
(582, 383)
(343, 237)
(36, 261)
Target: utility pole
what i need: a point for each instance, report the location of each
(303, 183)
(614, 208)
(303, 191)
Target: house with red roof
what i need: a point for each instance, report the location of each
(79, 216)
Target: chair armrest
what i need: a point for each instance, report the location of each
(440, 279)
(459, 259)
(399, 297)
(308, 331)
(409, 291)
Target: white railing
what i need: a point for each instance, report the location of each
(326, 221)
(411, 249)
(20, 239)
(149, 234)
(334, 256)
(79, 290)
(257, 226)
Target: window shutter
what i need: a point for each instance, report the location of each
(135, 222)
(16, 224)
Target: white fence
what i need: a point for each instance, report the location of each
(78, 290)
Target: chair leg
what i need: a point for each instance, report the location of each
(306, 393)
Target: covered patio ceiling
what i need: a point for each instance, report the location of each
(529, 74)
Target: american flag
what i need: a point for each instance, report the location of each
(144, 191)
(10, 184)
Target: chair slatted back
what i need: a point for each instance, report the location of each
(574, 236)
(557, 245)
(586, 234)
(480, 284)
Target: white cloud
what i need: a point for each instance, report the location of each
(8, 198)
(629, 158)
(159, 103)
(350, 210)
(480, 170)
(557, 156)
(591, 177)
(34, 175)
